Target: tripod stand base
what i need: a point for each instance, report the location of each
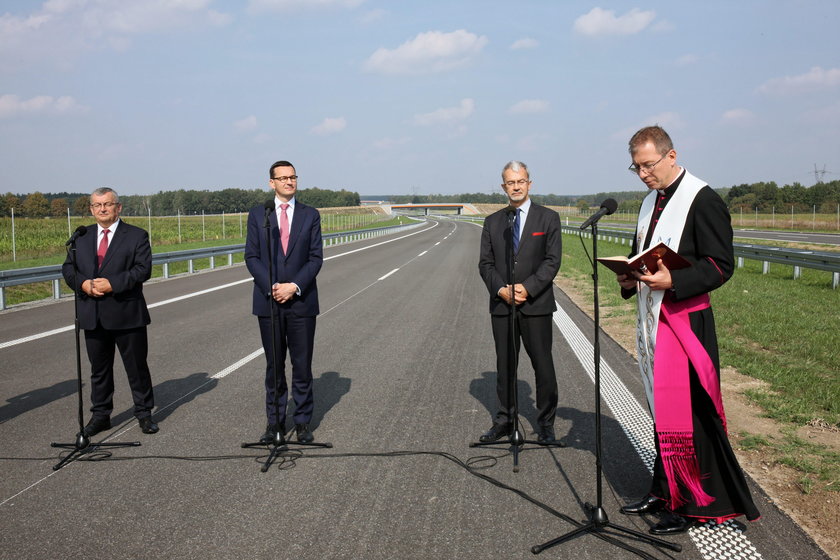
(278, 445)
(83, 446)
(598, 522)
(516, 441)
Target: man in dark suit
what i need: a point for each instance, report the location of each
(297, 253)
(696, 475)
(536, 240)
(113, 260)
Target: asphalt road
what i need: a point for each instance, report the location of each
(404, 382)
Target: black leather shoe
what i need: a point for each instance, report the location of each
(546, 435)
(672, 524)
(96, 425)
(148, 425)
(648, 504)
(496, 432)
(271, 429)
(303, 433)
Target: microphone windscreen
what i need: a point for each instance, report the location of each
(81, 230)
(269, 204)
(610, 205)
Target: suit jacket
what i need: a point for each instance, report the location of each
(127, 264)
(301, 264)
(535, 264)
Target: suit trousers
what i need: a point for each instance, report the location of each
(296, 335)
(133, 345)
(536, 334)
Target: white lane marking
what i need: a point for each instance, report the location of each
(713, 541)
(423, 253)
(387, 275)
(60, 330)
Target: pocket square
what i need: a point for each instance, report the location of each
(536, 233)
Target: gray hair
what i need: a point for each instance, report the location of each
(514, 165)
(105, 190)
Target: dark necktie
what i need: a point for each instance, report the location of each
(516, 231)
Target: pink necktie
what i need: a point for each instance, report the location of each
(103, 248)
(284, 227)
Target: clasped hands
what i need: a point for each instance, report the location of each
(283, 292)
(97, 287)
(520, 294)
(659, 280)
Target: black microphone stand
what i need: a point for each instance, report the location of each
(516, 439)
(279, 443)
(82, 445)
(598, 520)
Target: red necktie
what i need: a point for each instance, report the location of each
(284, 227)
(103, 248)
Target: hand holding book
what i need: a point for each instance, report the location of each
(646, 261)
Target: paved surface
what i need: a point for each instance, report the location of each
(404, 371)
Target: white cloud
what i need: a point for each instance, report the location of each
(433, 51)
(605, 22)
(687, 60)
(372, 16)
(60, 29)
(387, 143)
(529, 106)
(293, 5)
(447, 114)
(526, 43)
(13, 106)
(814, 79)
(246, 124)
(737, 116)
(329, 126)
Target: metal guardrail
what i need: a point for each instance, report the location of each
(798, 259)
(52, 273)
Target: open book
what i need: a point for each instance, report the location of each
(646, 260)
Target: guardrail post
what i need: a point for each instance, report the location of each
(190, 266)
(740, 262)
(212, 262)
(797, 272)
(56, 289)
(230, 259)
(166, 270)
(835, 280)
(765, 267)
(3, 296)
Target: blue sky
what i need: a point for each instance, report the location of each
(394, 97)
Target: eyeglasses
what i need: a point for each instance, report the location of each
(285, 178)
(98, 205)
(520, 182)
(647, 168)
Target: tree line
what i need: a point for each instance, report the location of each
(167, 203)
(761, 196)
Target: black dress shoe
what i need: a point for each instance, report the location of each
(546, 435)
(648, 504)
(271, 429)
(96, 425)
(148, 425)
(496, 432)
(303, 433)
(672, 524)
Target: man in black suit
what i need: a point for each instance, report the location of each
(536, 240)
(113, 260)
(696, 475)
(297, 253)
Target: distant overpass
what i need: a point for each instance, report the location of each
(431, 207)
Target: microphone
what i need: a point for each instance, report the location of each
(269, 208)
(607, 207)
(80, 231)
